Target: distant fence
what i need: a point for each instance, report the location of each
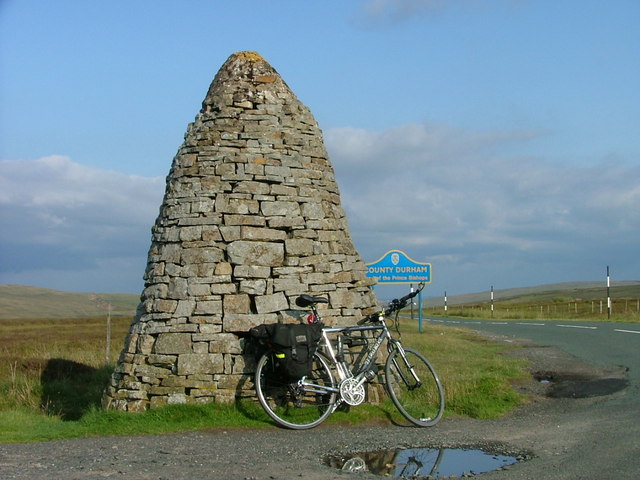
(577, 308)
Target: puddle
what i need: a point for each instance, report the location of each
(422, 462)
(580, 386)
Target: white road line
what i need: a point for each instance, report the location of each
(577, 326)
(498, 323)
(625, 331)
(534, 324)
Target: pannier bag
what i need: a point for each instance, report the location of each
(293, 344)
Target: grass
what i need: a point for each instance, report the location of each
(25, 302)
(562, 303)
(53, 373)
(559, 308)
(477, 379)
(56, 366)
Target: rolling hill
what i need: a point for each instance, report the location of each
(21, 301)
(546, 293)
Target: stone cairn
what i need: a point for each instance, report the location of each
(251, 219)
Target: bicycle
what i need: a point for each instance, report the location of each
(411, 381)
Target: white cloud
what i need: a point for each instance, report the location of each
(458, 196)
(374, 13)
(57, 184)
(79, 221)
(398, 10)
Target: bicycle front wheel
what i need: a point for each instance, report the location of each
(297, 405)
(414, 387)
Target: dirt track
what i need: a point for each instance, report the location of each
(564, 438)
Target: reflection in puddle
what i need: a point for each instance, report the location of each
(411, 462)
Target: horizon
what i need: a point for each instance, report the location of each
(579, 283)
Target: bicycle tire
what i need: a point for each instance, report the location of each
(422, 404)
(291, 405)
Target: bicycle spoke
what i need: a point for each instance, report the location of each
(296, 405)
(421, 399)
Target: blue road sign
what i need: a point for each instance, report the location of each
(395, 266)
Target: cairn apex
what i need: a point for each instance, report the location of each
(249, 56)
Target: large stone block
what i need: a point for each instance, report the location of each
(225, 343)
(164, 306)
(173, 343)
(299, 247)
(280, 209)
(243, 323)
(202, 255)
(237, 303)
(208, 363)
(204, 307)
(253, 287)
(141, 370)
(185, 308)
(262, 234)
(271, 303)
(251, 271)
(268, 254)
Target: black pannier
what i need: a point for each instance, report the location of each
(293, 344)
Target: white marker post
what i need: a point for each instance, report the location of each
(492, 300)
(420, 311)
(411, 290)
(608, 294)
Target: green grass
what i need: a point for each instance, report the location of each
(53, 373)
(21, 425)
(478, 380)
(21, 301)
(560, 302)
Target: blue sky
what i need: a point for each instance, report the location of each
(497, 139)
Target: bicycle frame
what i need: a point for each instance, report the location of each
(337, 356)
(336, 359)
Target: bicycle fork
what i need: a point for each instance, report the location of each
(416, 383)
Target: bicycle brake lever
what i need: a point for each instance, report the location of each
(369, 318)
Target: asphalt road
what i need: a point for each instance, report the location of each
(597, 343)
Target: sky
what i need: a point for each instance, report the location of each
(498, 140)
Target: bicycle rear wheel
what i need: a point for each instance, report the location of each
(420, 401)
(297, 405)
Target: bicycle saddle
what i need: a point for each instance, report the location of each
(307, 300)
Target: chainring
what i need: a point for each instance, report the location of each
(352, 392)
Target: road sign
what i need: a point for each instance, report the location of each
(395, 267)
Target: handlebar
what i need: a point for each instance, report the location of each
(394, 306)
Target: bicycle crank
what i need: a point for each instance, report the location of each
(352, 391)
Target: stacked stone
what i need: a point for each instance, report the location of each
(251, 219)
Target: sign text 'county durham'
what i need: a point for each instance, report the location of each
(395, 266)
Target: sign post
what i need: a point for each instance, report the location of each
(396, 267)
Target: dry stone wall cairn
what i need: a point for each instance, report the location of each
(251, 219)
